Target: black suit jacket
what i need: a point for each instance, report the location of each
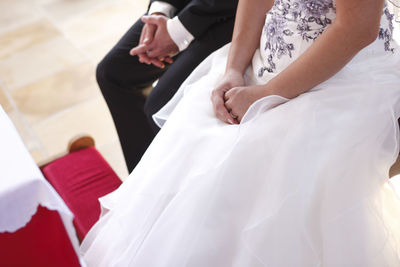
(199, 15)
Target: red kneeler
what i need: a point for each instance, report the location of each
(80, 178)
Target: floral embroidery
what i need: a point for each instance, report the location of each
(311, 19)
(387, 34)
(276, 31)
(315, 8)
(307, 18)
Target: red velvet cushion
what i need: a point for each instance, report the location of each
(42, 242)
(81, 178)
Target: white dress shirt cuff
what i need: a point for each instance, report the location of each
(162, 7)
(178, 33)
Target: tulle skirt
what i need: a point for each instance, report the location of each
(300, 182)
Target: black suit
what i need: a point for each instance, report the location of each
(122, 77)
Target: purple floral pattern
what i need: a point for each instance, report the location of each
(276, 31)
(387, 34)
(315, 8)
(308, 19)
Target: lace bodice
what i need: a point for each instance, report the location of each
(292, 25)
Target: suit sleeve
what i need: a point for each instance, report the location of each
(199, 15)
(178, 4)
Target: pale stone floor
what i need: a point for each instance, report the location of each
(48, 53)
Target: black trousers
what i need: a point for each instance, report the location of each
(122, 78)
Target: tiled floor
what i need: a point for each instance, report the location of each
(48, 53)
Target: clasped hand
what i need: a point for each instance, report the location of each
(231, 98)
(155, 44)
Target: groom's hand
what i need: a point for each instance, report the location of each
(146, 37)
(156, 45)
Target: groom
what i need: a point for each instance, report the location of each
(167, 45)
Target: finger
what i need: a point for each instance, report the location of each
(235, 116)
(239, 118)
(155, 20)
(228, 105)
(144, 30)
(150, 53)
(143, 58)
(232, 115)
(228, 93)
(148, 38)
(157, 63)
(226, 96)
(169, 60)
(142, 48)
(224, 115)
(155, 53)
(220, 110)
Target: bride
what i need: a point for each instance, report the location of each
(287, 164)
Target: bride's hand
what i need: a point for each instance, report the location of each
(239, 99)
(230, 80)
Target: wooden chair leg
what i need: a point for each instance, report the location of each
(80, 142)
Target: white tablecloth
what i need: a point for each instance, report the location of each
(23, 187)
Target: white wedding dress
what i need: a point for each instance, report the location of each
(300, 182)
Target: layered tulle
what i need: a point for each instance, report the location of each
(300, 182)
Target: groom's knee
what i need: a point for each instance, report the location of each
(107, 73)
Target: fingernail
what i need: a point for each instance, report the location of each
(230, 121)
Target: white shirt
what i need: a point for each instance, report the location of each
(178, 33)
